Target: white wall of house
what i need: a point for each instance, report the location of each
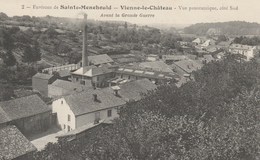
(63, 113)
(90, 117)
(250, 53)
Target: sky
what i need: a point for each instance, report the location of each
(248, 10)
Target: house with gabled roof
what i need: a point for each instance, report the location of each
(90, 107)
(97, 75)
(29, 114)
(245, 50)
(14, 145)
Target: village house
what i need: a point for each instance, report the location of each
(186, 67)
(29, 114)
(86, 108)
(247, 51)
(14, 145)
(97, 75)
(198, 41)
(40, 83)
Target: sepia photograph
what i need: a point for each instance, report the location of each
(130, 80)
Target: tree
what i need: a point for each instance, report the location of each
(36, 52)
(6, 92)
(31, 54)
(28, 54)
(9, 59)
(8, 42)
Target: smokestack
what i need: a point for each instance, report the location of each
(84, 49)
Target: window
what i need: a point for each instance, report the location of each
(109, 113)
(61, 102)
(68, 117)
(69, 128)
(64, 126)
(82, 82)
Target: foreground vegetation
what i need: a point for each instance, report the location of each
(216, 116)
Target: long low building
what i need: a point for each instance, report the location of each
(29, 114)
(131, 73)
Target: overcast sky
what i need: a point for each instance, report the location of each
(248, 10)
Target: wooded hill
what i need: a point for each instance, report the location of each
(228, 28)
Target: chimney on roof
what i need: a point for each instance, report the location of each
(95, 97)
(116, 90)
(84, 48)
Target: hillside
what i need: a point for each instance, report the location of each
(228, 28)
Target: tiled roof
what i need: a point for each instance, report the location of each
(188, 65)
(134, 90)
(13, 143)
(84, 102)
(174, 57)
(159, 66)
(91, 71)
(241, 47)
(208, 58)
(145, 73)
(100, 59)
(64, 73)
(22, 107)
(70, 86)
(43, 76)
(85, 69)
(3, 116)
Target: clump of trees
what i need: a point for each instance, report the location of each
(252, 41)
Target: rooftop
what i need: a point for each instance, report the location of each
(146, 73)
(84, 102)
(156, 66)
(43, 76)
(188, 65)
(99, 59)
(22, 107)
(13, 143)
(70, 86)
(91, 71)
(242, 47)
(133, 90)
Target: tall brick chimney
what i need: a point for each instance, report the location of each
(84, 49)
